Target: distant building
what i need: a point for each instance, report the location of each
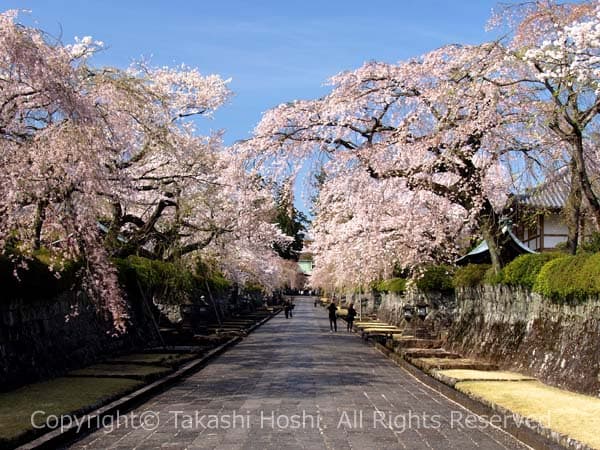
(481, 254)
(538, 220)
(305, 260)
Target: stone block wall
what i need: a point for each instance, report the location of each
(441, 308)
(42, 338)
(521, 330)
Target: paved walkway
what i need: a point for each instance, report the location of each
(294, 385)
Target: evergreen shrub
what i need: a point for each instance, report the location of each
(570, 279)
(524, 269)
(436, 279)
(470, 275)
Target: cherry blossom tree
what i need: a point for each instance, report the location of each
(560, 46)
(365, 228)
(186, 194)
(82, 144)
(434, 124)
(53, 155)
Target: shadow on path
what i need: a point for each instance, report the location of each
(342, 392)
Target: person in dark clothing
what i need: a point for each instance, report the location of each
(287, 309)
(350, 317)
(315, 302)
(332, 316)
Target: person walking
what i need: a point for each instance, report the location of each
(332, 316)
(350, 317)
(287, 309)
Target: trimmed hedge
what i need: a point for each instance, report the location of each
(559, 277)
(524, 269)
(172, 282)
(36, 281)
(592, 243)
(492, 277)
(206, 272)
(470, 275)
(436, 278)
(253, 288)
(396, 285)
(570, 278)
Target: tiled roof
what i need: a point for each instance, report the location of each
(552, 194)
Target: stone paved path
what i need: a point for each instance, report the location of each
(294, 385)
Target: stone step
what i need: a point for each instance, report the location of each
(428, 353)
(226, 327)
(420, 333)
(429, 364)
(175, 348)
(412, 342)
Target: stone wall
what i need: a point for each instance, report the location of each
(441, 308)
(521, 330)
(37, 340)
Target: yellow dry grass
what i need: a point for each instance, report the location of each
(571, 414)
(371, 322)
(481, 375)
(342, 312)
(382, 330)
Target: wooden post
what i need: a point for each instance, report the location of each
(212, 300)
(360, 301)
(149, 312)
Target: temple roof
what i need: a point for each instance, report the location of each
(551, 194)
(481, 254)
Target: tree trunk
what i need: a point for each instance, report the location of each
(584, 180)
(490, 234)
(490, 229)
(573, 210)
(112, 236)
(38, 223)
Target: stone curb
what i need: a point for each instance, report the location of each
(55, 438)
(452, 381)
(527, 431)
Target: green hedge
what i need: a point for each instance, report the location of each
(253, 288)
(171, 281)
(436, 278)
(174, 282)
(470, 275)
(524, 269)
(492, 277)
(36, 281)
(396, 285)
(570, 278)
(560, 277)
(592, 243)
(207, 272)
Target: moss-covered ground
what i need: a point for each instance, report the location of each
(60, 397)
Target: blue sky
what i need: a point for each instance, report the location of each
(274, 51)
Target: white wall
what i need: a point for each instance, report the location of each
(553, 224)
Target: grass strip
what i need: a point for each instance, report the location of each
(158, 359)
(136, 371)
(61, 396)
(483, 375)
(571, 414)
